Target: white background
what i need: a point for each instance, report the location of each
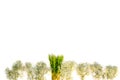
(81, 30)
